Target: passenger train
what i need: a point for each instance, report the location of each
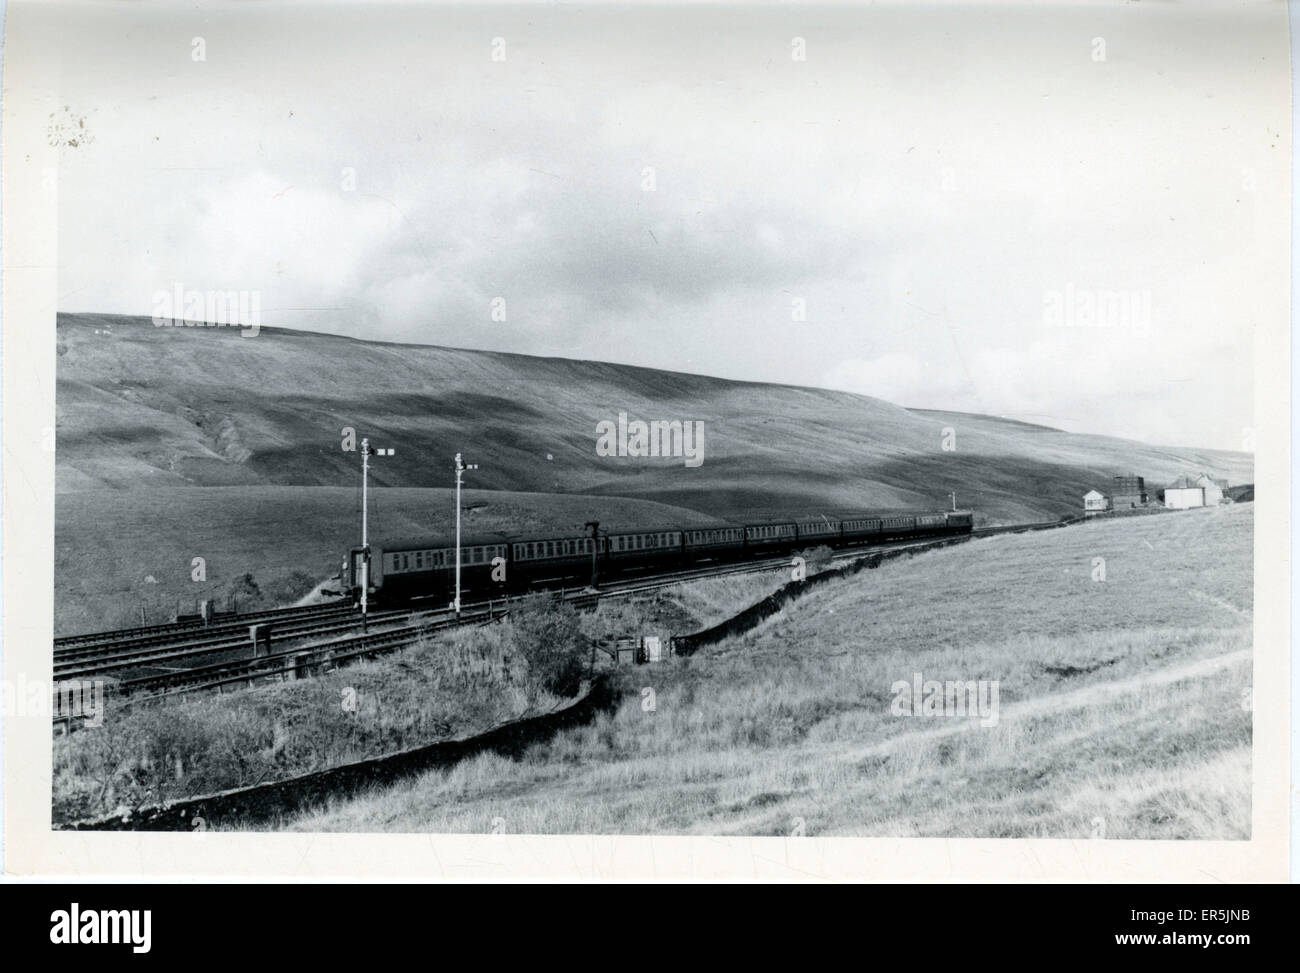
(417, 568)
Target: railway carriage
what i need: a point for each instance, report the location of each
(931, 523)
(536, 559)
(770, 537)
(897, 526)
(817, 532)
(854, 529)
(642, 548)
(713, 542)
(422, 567)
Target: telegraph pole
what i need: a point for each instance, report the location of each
(460, 469)
(365, 529)
(595, 548)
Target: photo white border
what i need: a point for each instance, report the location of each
(32, 848)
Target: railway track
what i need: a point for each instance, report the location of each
(143, 650)
(210, 644)
(71, 646)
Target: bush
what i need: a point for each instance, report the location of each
(817, 558)
(548, 635)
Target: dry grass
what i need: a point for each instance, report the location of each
(1121, 700)
(457, 684)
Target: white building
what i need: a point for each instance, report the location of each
(1184, 494)
(1095, 502)
(1214, 489)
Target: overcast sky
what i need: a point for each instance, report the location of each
(932, 184)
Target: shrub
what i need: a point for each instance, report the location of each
(548, 635)
(817, 558)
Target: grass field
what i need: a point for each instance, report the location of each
(1123, 707)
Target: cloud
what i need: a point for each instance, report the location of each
(918, 202)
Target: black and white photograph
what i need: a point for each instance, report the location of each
(740, 421)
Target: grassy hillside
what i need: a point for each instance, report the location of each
(167, 407)
(176, 443)
(1123, 708)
